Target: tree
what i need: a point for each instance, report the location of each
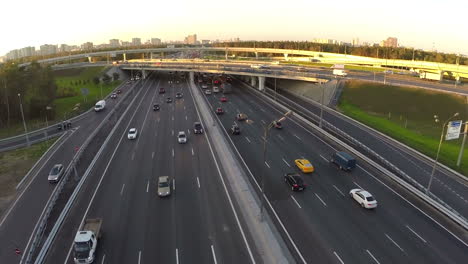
(116, 76)
(106, 78)
(96, 80)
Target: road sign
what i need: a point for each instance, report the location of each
(453, 130)
(84, 91)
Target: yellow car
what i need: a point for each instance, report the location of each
(304, 165)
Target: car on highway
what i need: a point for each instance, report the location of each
(119, 91)
(277, 124)
(304, 165)
(132, 133)
(156, 107)
(197, 128)
(64, 125)
(178, 95)
(241, 117)
(164, 186)
(55, 173)
(162, 90)
(223, 99)
(343, 160)
(204, 86)
(208, 92)
(219, 111)
(235, 129)
(364, 198)
(181, 137)
(215, 89)
(168, 100)
(295, 181)
(113, 96)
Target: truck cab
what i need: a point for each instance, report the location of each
(84, 247)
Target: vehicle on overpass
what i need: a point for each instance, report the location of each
(86, 241)
(430, 76)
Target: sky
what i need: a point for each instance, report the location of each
(425, 25)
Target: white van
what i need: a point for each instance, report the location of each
(100, 106)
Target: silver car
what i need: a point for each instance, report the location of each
(55, 173)
(164, 186)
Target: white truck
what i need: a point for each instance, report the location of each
(100, 105)
(86, 240)
(339, 72)
(430, 76)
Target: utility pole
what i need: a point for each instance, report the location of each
(8, 104)
(24, 121)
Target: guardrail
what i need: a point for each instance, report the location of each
(42, 223)
(396, 174)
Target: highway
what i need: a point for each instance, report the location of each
(325, 223)
(19, 219)
(195, 224)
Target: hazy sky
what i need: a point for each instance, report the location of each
(420, 24)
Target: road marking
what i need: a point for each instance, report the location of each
(158, 119)
(172, 118)
(394, 242)
(184, 107)
(320, 199)
(193, 153)
(147, 186)
(280, 137)
(139, 257)
(172, 152)
(214, 255)
(358, 185)
(324, 158)
(248, 139)
(133, 155)
(297, 137)
(263, 122)
(188, 131)
(286, 163)
(198, 181)
(123, 187)
(173, 185)
(185, 117)
(416, 234)
(261, 109)
(177, 255)
(152, 155)
(298, 205)
(103, 258)
(172, 131)
(267, 164)
(338, 190)
(372, 256)
(338, 257)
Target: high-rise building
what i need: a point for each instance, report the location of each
(114, 43)
(87, 46)
(155, 41)
(27, 52)
(191, 39)
(136, 41)
(65, 48)
(205, 41)
(48, 49)
(12, 55)
(355, 42)
(389, 42)
(126, 43)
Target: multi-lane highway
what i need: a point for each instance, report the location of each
(195, 224)
(325, 223)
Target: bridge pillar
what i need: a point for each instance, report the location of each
(256, 55)
(253, 81)
(151, 55)
(90, 59)
(226, 54)
(192, 76)
(125, 56)
(457, 79)
(261, 83)
(286, 57)
(143, 74)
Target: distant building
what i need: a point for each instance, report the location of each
(12, 55)
(114, 43)
(191, 39)
(155, 41)
(389, 42)
(355, 42)
(27, 52)
(126, 43)
(205, 41)
(87, 46)
(48, 49)
(136, 41)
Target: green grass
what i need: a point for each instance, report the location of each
(14, 165)
(406, 114)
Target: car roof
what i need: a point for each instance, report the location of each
(163, 178)
(365, 193)
(304, 161)
(58, 165)
(132, 130)
(181, 132)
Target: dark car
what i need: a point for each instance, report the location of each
(197, 128)
(343, 160)
(113, 96)
(119, 91)
(169, 100)
(295, 181)
(64, 125)
(277, 124)
(178, 95)
(223, 99)
(155, 107)
(235, 129)
(219, 111)
(162, 90)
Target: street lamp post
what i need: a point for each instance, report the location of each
(24, 121)
(321, 104)
(436, 119)
(265, 140)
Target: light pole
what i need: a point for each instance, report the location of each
(265, 140)
(436, 119)
(47, 122)
(24, 121)
(321, 103)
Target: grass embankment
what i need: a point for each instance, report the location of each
(14, 165)
(407, 115)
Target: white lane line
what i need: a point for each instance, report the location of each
(394, 242)
(198, 181)
(297, 137)
(214, 254)
(139, 257)
(188, 131)
(147, 186)
(193, 153)
(186, 118)
(121, 190)
(173, 132)
(338, 257)
(184, 107)
(267, 164)
(261, 109)
(338, 190)
(416, 234)
(358, 185)
(152, 155)
(372, 256)
(238, 111)
(324, 158)
(263, 122)
(173, 185)
(103, 258)
(286, 163)
(172, 118)
(280, 137)
(177, 256)
(133, 155)
(173, 152)
(158, 119)
(248, 139)
(320, 199)
(298, 205)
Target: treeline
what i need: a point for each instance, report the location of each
(33, 86)
(368, 51)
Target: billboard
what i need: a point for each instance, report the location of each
(453, 130)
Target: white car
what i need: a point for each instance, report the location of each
(364, 198)
(215, 89)
(181, 137)
(207, 91)
(132, 133)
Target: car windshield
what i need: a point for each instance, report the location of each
(298, 179)
(81, 247)
(181, 135)
(370, 198)
(197, 126)
(55, 170)
(308, 165)
(163, 184)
